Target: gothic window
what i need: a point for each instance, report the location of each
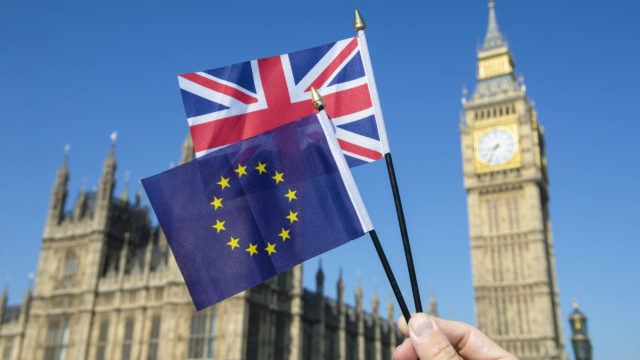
(8, 350)
(57, 340)
(253, 333)
(280, 344)
(510, 213)
(331, 344)
(369, 349)
(103, 335)
(386, 352)
(496, 218)
(307, 340)
(154, 334)
(352, 346)
(69, 267)
(492, 216)
(514, 213)
(202, 336)
(127, 340)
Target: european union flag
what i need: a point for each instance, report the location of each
(244, 213)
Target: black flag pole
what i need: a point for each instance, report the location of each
(318, 103)
(360, 26)
(390, 276)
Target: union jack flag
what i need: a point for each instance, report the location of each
(239, 101)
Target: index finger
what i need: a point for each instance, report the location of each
(471, 343)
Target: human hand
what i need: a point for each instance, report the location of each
(431, 338)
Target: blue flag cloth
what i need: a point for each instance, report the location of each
(251, 210)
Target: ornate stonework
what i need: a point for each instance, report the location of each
(505, 176)
(108, 287)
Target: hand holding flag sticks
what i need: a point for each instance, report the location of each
(359, 27)
(318, 103)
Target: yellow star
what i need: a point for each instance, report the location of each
(291, 195)
(219, 226)
(241, 170)
(252, 249)
(224, 182)
(278, 177)
(217, 203)
(262, 168)
(293, 216)
(284, 234)
(271, 248)
(234, 243)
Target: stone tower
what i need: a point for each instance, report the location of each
(505, 176)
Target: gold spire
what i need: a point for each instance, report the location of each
(359, 23)
(318, 103)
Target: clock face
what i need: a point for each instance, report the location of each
(496, 147)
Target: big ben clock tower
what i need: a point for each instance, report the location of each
(505, 176)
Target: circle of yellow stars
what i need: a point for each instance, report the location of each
(235, 242)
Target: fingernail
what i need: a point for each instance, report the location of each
(420, 325)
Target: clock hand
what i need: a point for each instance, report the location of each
(491, 154)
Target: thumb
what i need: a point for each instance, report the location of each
(429, 342)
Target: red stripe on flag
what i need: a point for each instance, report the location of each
(347, 102)
(337, 61)
(359, 150)
(225, 131)
(221, 88)
(274, 83)
(237, 128)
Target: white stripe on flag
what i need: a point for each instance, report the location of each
(345, 173)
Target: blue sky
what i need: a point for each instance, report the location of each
(71, 72)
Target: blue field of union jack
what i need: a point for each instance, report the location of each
(235, 102)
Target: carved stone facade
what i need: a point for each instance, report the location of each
(108, 287)
(505, 176)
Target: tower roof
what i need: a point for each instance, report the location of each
(320, 273)
(493, 39)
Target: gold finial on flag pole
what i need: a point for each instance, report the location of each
(359, 23)
(318, 103)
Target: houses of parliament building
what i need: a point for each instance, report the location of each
(108, 288)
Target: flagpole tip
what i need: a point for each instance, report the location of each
(318, 103)
(359, 23)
